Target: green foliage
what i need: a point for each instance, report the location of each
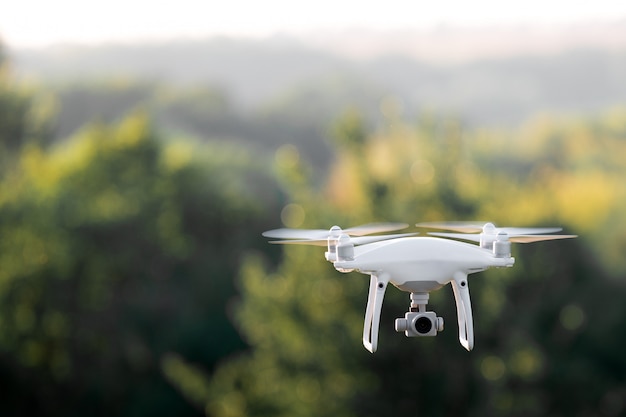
(350, 132)
(24, 118)
(547, 331)
(197, 111)
(116, 249)
(120, 251)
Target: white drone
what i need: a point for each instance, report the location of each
(417, 265)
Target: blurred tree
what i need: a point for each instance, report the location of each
(546, 342)
(117, 249)
(14, 105)
(25, 117)
(104, 100)
(200, 111)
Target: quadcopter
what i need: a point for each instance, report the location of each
(418, 265)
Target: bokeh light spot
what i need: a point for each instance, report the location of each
(292, 215)
(422, 172)
(572, 317)
(492, 368)
(526, 363)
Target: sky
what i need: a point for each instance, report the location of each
(37, 23)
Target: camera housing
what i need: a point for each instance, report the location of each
(415, 324)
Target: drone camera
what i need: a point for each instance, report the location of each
(416, 324)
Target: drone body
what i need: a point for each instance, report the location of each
(421, 264)
(417, 265)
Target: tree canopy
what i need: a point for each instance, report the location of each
(117, 249)
(134, 279)
(546, 330)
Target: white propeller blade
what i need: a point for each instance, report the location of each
(539, 238)
(463, 236)
(319, 234)
(477, 227)
(360, 240)
(512, 238)
(462, 227)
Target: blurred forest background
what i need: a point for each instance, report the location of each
(136, 181)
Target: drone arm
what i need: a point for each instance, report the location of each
(378, 285)
(463, 310)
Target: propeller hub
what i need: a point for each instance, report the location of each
(489, 229)
(334, 232)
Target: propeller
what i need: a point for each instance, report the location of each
(359, 240)
(519, 238)
(335, 231)
(339, 242)
(488, 232)
(487, 227)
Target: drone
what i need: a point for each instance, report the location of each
(418, 265)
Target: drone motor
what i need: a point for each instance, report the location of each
(345, 249)
(502, 246)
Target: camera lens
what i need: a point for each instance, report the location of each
(423, 325)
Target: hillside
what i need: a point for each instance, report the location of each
(266, 93)
(494, 90)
